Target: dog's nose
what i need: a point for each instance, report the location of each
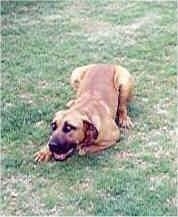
(53, 147)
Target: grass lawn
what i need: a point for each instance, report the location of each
(42, 42)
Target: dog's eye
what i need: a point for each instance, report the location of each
(67, 127)
(53, 126)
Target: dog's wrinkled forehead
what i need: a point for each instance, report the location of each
(73, 118)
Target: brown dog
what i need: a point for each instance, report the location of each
(102, 95)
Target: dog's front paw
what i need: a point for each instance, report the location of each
(43, 155)
(70, 103)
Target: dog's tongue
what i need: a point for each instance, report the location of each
(62, 156)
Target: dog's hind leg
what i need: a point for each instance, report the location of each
(75, 79)
(123, 100)
(124, 84)
(77, 76)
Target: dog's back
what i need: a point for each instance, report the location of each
(98, 76)
(99, 80)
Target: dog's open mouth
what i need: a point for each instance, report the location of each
(63, 156)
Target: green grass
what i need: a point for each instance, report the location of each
(42, 42)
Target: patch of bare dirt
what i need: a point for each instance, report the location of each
(27, 97)
(96, 30)
(85, 185)
(52, 17)
(19, 189)
(124, 155)
(119, 6)
(43, 83)
(40, 124)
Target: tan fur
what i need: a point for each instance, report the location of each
(102, 93)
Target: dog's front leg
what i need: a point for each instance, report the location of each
(95, 148)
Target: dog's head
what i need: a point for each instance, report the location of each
(69, 130)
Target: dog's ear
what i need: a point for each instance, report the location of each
(91, 133)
